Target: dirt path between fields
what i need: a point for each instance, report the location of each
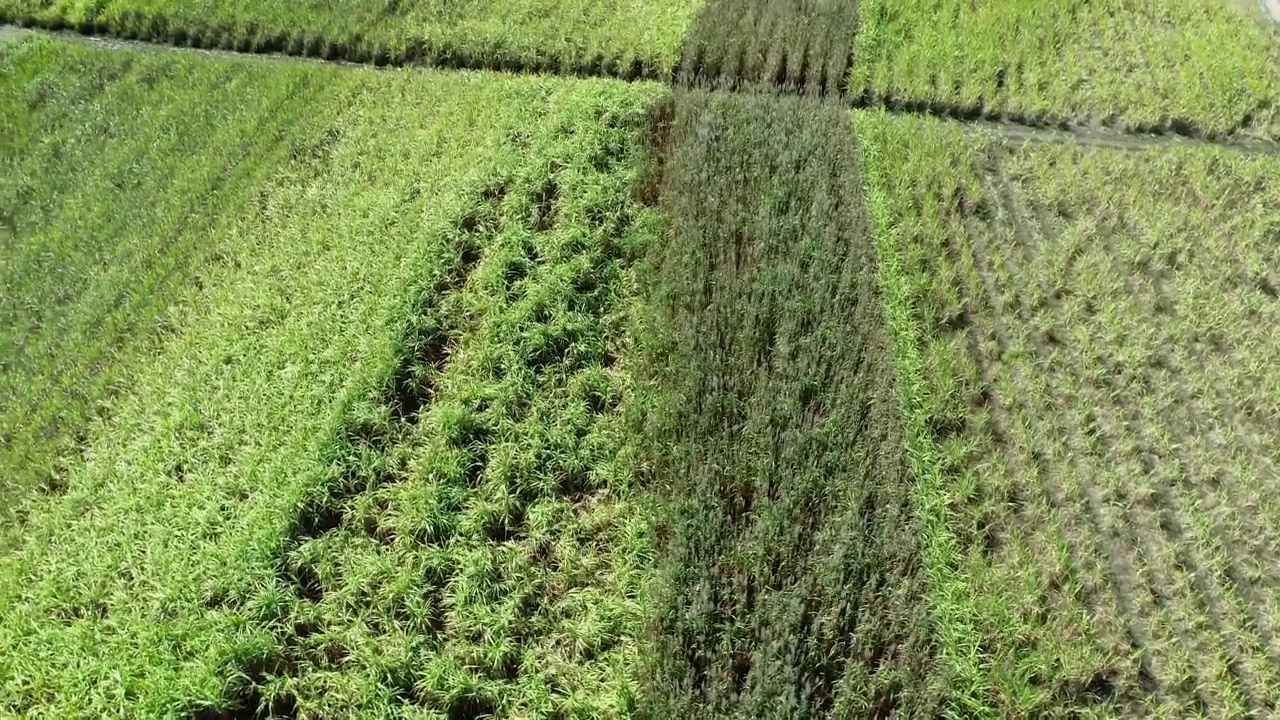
(1269, 8)
(9, 33)
(1014, 132)
(1096, 136)
(1272, 8)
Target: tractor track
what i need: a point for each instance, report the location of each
(1014, 131)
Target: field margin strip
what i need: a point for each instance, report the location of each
(949, 598)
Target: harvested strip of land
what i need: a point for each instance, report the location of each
(1083, 338)
(588, 37)
(369, 466)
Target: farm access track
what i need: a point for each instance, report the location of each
(1015, 129)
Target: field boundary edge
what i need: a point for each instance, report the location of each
(1017, 129)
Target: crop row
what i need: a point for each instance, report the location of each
(1181, 67)
(480, 546)
(771, 45)
(398, 428)
(104, 237)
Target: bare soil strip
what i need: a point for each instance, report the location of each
(1016, 131)
(1272, 8)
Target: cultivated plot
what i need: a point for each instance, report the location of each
(372, 468)
(480, 548)
(771, 45)
(791, 583)
(1084, 347)
(116, 179)
(627, 39)
(1185, 66)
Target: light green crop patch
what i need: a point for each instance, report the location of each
(1180, 65)
(273, 227)
(617, 38)
(1080, 339)
(115, 177)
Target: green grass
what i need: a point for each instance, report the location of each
(1151, 64)
(1079, 354)
(381, 428)
(791, 584)
(619, 39)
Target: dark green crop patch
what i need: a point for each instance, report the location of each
(771, 45)
(791, 579)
